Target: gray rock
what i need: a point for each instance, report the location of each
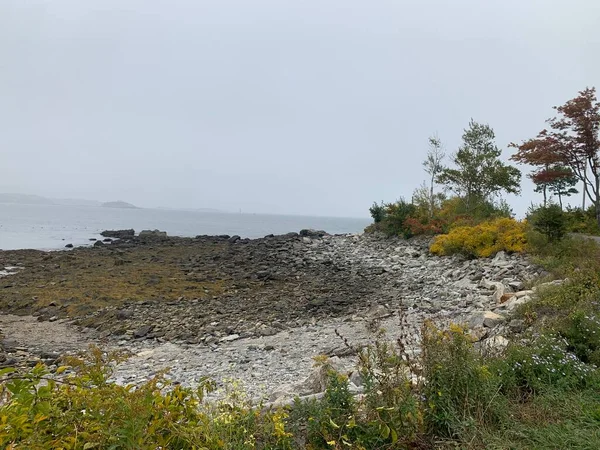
(315, 383)
(313, 233)
(514, 302)
(516, 285)
(465, 283)
(357, 379)
(486, 319)
(118, 234)
(152, 234)
(517, 325)
(143, 331)
(495, 344)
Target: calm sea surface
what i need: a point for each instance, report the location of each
(52, 227)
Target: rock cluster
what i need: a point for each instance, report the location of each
(118, 234)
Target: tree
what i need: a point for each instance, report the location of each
(549, 220)
(573, 141)
(576, 133)
(540, 153)
(377, 212)
(479, 175)
(559, 180)
(433, 167)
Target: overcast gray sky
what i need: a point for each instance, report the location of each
(303, 107)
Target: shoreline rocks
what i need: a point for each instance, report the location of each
(118, 234)
(260, 309)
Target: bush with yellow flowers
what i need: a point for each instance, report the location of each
(482, 240)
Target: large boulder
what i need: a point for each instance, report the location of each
(153, 234)
(313, 233)
(118, 234)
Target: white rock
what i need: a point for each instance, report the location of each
(523, 293)
(496, 344)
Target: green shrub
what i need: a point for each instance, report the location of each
(388, 416)
(546, 363)
(85, 411)
(391, 408)
(390, 218)
(396, 215)
(330, 422)
(582, 221)
(581, 331)
(377, 212)
(461, 392)
(549, 220)
(455, 212)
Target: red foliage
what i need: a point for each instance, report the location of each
(417, 228)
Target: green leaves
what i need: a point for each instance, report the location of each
(479, 172)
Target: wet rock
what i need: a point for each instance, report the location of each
(69, 246)
(152, 234)
(118, 234)
(312, 233)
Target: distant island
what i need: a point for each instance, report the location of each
(26, 199)
(119, 204)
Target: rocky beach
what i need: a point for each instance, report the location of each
(257, 311)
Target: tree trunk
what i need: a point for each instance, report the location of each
(545, 195)
(597, 203)
(584, 187)
(431, 200)
(560, 201)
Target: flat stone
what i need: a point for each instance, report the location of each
(486, 319)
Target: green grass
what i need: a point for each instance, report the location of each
(559, 419)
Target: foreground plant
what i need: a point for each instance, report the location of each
(82, 410)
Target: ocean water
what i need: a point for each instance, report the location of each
(50, 227)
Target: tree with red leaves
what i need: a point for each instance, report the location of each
(557, 179)
(573, 142)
